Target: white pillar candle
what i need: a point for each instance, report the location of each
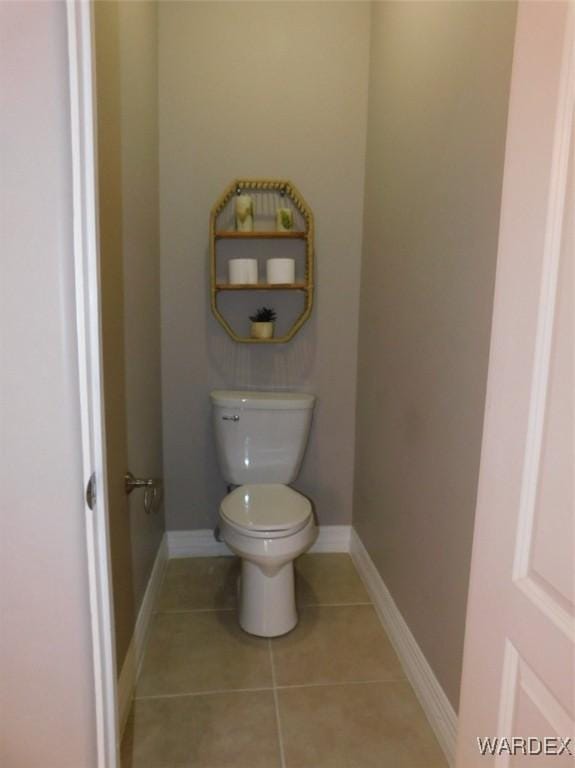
(243, 271)
(284, 219)
(280, 271)
(244, 213)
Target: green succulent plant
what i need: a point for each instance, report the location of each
(263, 315)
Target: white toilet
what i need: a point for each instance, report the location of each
(261, 439)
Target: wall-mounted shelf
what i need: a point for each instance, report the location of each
(267, 196)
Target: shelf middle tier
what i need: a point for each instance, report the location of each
(262, 287)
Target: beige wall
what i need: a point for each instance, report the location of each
(438, 104)
(260, 90)
(141, 267)
(46, 679)
(126, 69)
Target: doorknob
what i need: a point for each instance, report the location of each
(150, 486)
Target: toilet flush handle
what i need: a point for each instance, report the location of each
(230, 418)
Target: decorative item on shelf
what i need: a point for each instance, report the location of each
(284, 219)
(243, 271)
(244, 213)
(280, 271)
(263, 323)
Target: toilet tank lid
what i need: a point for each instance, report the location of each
(277, 401)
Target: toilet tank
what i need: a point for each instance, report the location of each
(261, 437)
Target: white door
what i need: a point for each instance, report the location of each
(518, 672)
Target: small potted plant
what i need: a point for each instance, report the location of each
(263, 323)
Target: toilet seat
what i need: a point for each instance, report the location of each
(266, 510)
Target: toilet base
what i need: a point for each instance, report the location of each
(267, 605)
(266, 588)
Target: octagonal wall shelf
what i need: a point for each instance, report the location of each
(267, 196)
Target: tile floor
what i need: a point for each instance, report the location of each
(331, 694)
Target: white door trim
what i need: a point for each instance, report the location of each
(88, 319)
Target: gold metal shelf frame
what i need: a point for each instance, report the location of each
(283, 189)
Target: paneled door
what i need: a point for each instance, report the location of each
(519, 670)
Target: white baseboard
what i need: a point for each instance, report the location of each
(201, 543)
(332, 538)
(135, 653)
(432, 698)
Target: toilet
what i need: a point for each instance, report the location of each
(261, 439)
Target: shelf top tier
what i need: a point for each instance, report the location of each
(267, 196)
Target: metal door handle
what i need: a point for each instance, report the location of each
(230, 418)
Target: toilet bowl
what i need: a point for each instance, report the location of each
(261, 439)
(267, 526)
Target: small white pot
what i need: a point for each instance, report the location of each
(262, 330)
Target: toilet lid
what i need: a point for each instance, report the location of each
(266, 507)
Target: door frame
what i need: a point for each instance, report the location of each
(91, 390)
(79, 15)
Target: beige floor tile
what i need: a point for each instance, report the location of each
(335, 645)
(328, 579)
(202, 651)
(198, 583)
(230, 730)
(371, 725)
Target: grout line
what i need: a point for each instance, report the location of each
(274, 687)
(212, 692)
(277, 707)
(333, 605)
(396, 679)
